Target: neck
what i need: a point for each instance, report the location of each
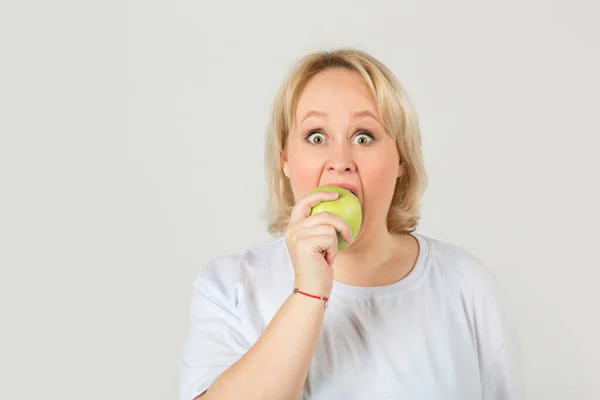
(368, 255)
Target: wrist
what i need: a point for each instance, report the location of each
(298, 292)
(317, 290)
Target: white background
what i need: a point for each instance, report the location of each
(131, 152)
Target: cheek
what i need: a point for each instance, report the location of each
(379, 178)
(380, 167)
(379, 182)
(304, 176)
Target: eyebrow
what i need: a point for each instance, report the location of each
(357, 114)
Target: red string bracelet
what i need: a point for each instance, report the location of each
(313, 296)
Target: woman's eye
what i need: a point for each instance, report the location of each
(364, 138)
(315, 137)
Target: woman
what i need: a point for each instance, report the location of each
(396, 315)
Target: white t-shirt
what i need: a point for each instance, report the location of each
(442, 332)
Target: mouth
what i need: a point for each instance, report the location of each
(346, 186)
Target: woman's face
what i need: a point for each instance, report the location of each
(338, 138)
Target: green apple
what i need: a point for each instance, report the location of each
(346, 206)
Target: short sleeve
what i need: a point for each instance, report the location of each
(500, 356)
(215, 339)
(504, 379)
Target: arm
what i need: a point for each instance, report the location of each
(221, 356)
(277, 365)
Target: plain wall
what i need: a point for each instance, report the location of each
(131, 153)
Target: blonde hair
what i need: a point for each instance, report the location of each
(398, 117)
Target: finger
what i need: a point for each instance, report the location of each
(311, 232)
(321, 239)
(329, 258)
(326, 245)
(304, 205)
(325, 217)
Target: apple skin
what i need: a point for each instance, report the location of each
(346, 206)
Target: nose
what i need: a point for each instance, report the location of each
(341, 160)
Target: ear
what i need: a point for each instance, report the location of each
(400, 169)
(284, 163)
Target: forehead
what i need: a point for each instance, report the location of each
(336, 89)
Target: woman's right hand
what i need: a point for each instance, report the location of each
(312, 243)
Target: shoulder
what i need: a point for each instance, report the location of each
(222, 275)
(459, 266)
(465, 278)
